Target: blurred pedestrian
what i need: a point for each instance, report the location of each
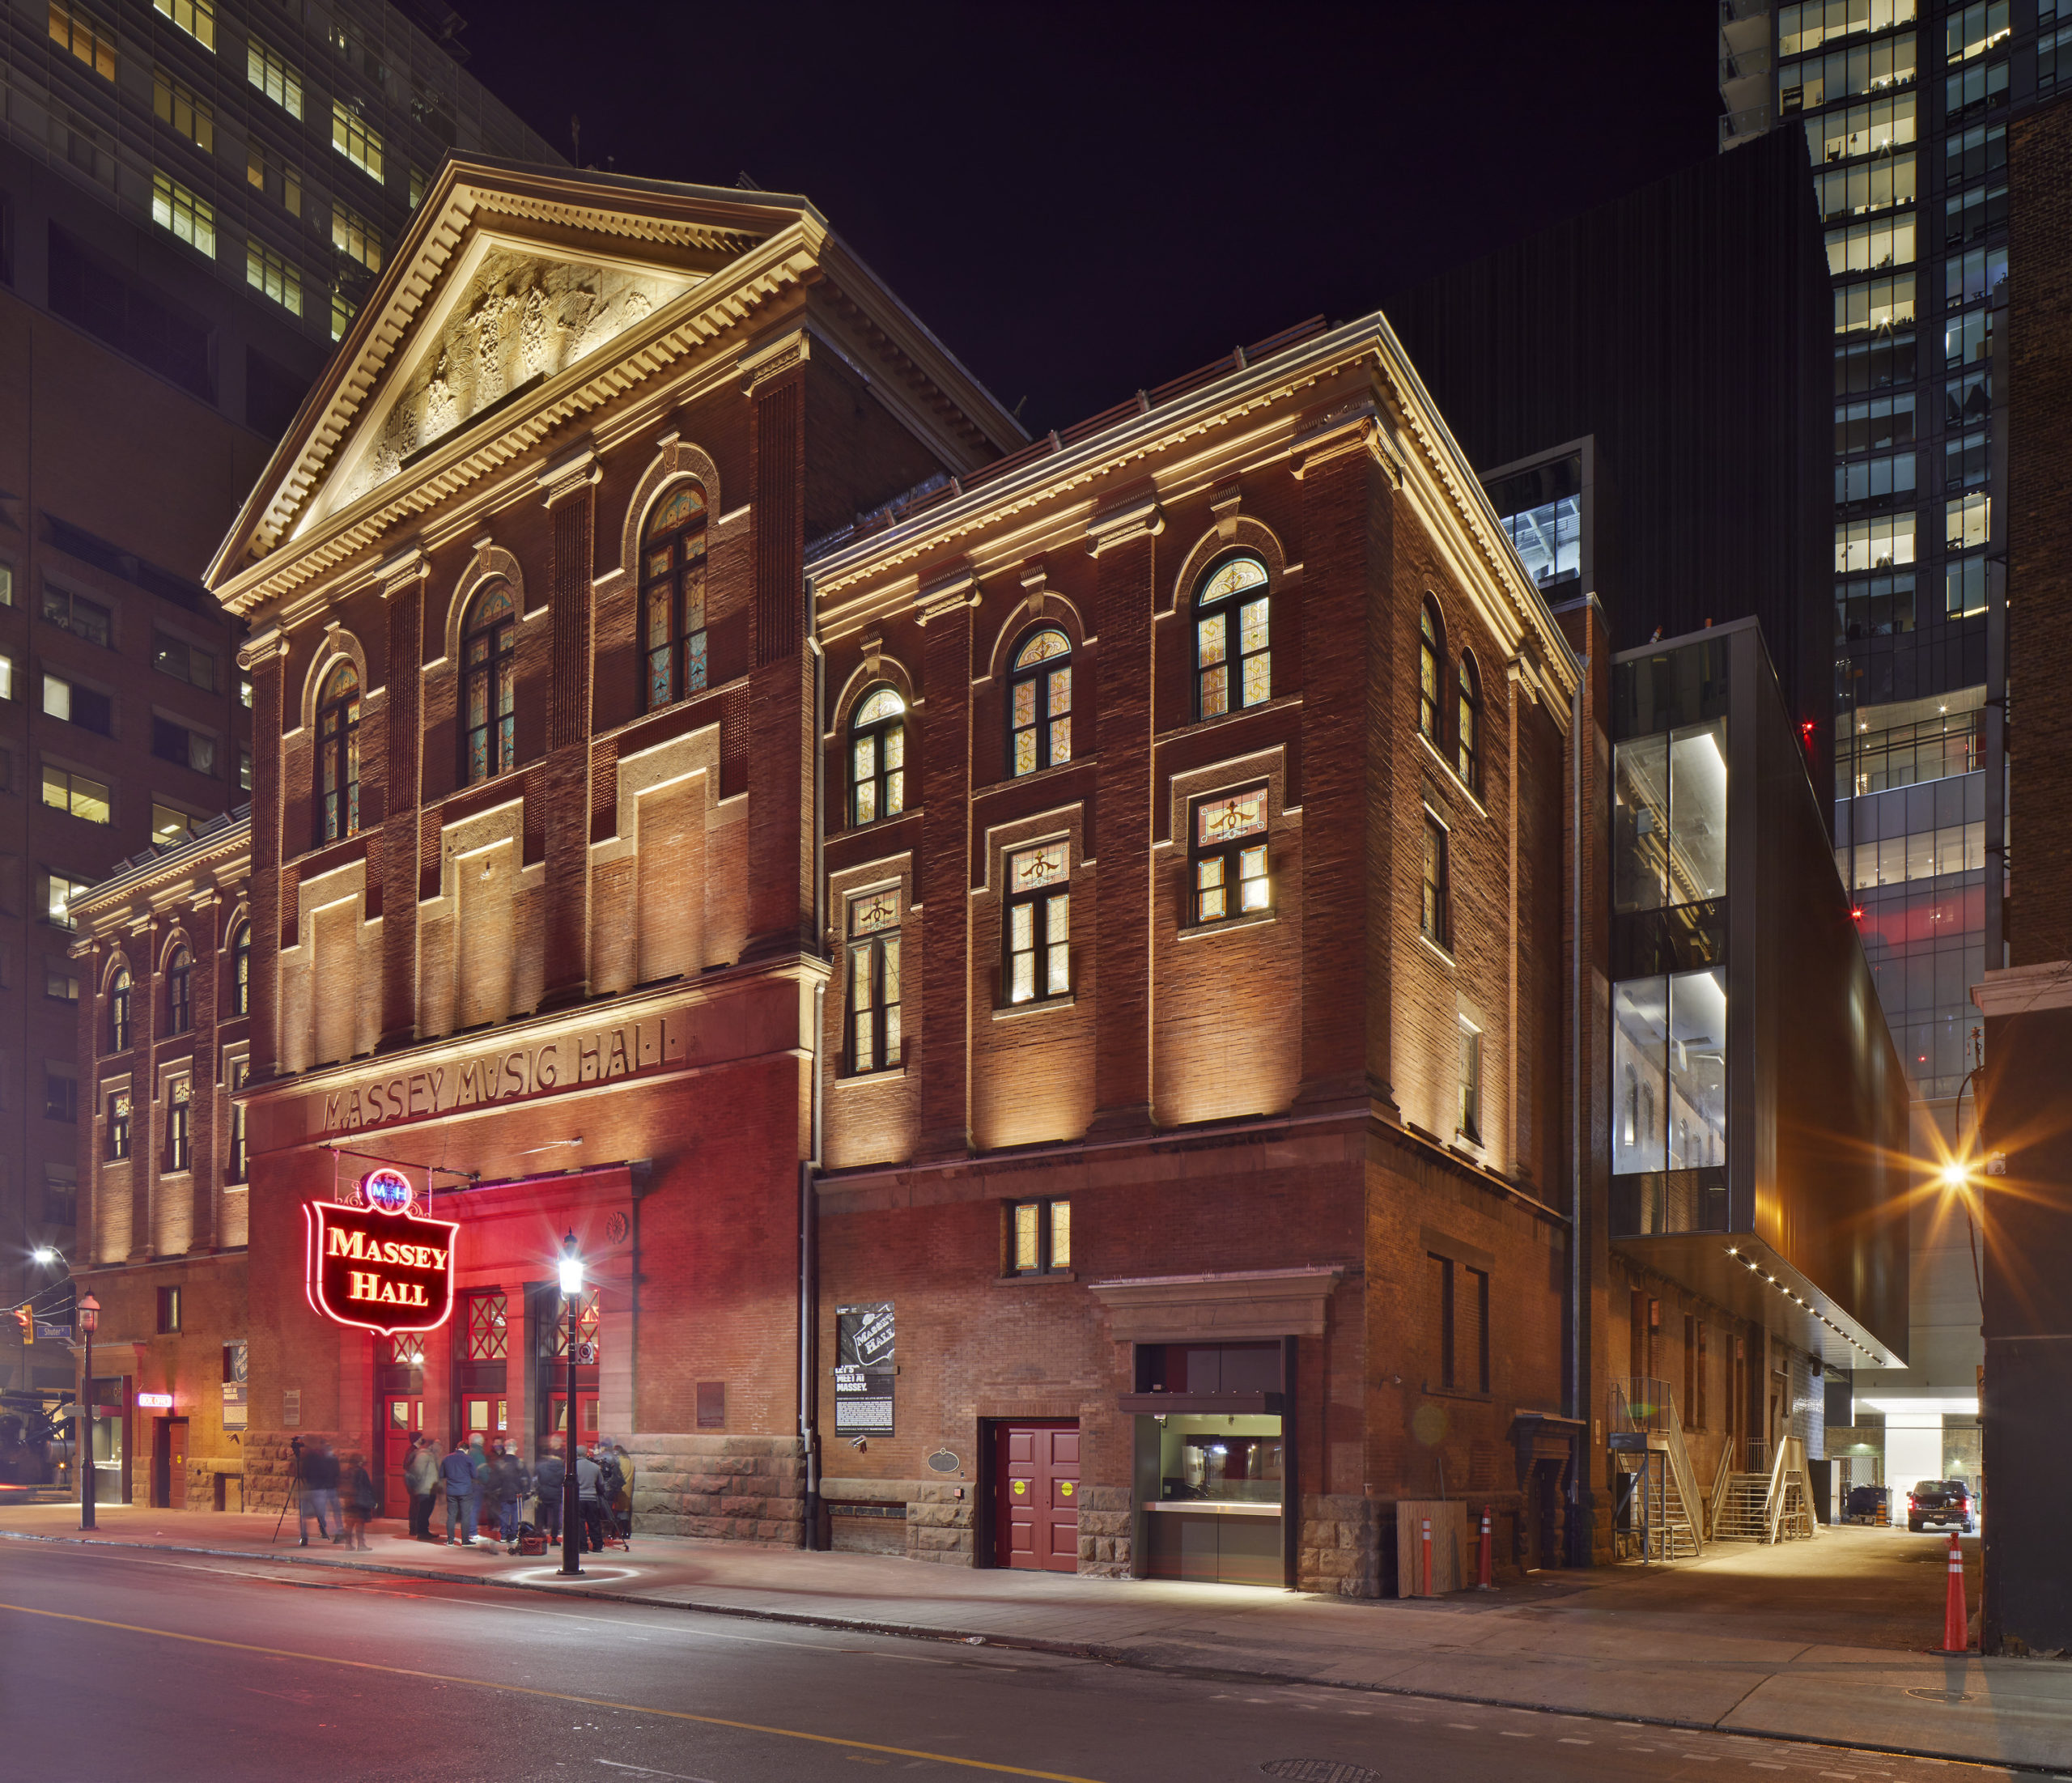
(589, 1484)
(357, 1490)
(456, 1474)
(485, 1497)
(510, 1477)
(549, 1479)
(309, 1505)
(320, 1465)
(421, 1476)
(616, 1488)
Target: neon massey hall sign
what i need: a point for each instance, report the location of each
(383, 1266)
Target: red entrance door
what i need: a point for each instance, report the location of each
(1036, 1495)
(586, 1417)
(403, 1418)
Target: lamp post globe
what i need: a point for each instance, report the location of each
(571, 1295)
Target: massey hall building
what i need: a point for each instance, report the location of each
(1042, 976)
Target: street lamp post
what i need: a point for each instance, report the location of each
(82, 1443)
(572, 1294)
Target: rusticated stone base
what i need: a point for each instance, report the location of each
(1341, 1545)
(939, 1525)
(1107, 1550)
(739, 1488)
(270, 1468)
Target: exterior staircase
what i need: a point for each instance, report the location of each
(1737, 1516)
(1776, 1506)
(1662, 1510)
(1676, 1528)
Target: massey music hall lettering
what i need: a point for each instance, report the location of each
(551, 1066)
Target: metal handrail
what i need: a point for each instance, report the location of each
(1686, 1480)
(1721, 1474)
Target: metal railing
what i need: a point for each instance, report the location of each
(1641, 1404)
(1717, 1498)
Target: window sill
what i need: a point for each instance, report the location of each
(1006, 1012)
(1433, 1392)
(1452, 774)
(1438, 951)
(1224, 925)
(892, 1071)
(1041, 1278)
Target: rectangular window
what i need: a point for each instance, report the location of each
(1866, 187)
(1875, 364)
(1874, 426)
(277, 277)
(244, 769)
(55, 894)
(1439, 1274)
(1971, 215)
(1039, 1237)
(118, 1126)
(169, 825)
(184, 661)
(273, 76)
(1869, 246)
(175, 103)
(7, 677)
(1808, 26)
(197, 18)
(279, 180)
(488, 1331)
(169, 1311)
(342, 313)
(1967, 402)
(1976, 273)
(2053, 58)
(1876, 544)
(1876, 303)
(352, 235)
(1868, 68)
(1973, 154)
(1982, 88)
(1883, 481)
(1669, 1072)
(60, 984)
(80, 34)
(1460, 1296)
(1965, 587)
(1231, 875)
(60, 1195)
(1967, 339)
(61, 1093)
(77, 705)
(874, 1041)
(354, 138)
(1878, 606)
(1877, 128)
(179, 1152)
(1434, 921)
(416, 187)
(1038, 929)
(64, 789)
(237, 1166)
(84, 618)
(1965, 459)
(173, 742)
(1471, 1081)
(1967, 522)
(191, 218)
(7, 585)
(1972, 31)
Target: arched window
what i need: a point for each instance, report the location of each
(118, 1010)
(241, 970)
(338, 754)
(877, 757)
(1231, 638)
(1039, 703)
(672, 596)
(1467, 726)
(489, 695)
(1428, 672)
(180, 991)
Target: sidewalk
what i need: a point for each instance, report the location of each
(1823, 1641)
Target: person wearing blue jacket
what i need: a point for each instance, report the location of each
(456, 1473)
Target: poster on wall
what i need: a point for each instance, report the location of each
(864, 1369)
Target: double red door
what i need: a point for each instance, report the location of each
(405, 1420)
(1036, 1494)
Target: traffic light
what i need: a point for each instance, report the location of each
(25, 1317)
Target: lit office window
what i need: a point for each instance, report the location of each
(1876, 303)
(273, 76)
(80, 34)
(1808, 26)
(1877, 128)
(197, 18)
(354, 138)
(280, 181)
(276, 276)
(1967, 521)
(175, 103)
(177, 209)
(64, 789)
(352, 235)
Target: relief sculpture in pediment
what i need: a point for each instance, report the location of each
(517, 320)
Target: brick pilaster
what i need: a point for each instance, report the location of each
(147, 987)
(262, 658)
(204, 1130)
(945, 870)
(1121, 541)
(397, 860)
(571, 491)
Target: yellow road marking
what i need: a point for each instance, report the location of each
(553, 1696)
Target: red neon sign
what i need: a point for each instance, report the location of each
(379, 1270)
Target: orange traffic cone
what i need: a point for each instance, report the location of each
(1485, 1570)
(1955, 1637)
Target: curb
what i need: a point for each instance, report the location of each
(1123, 1659)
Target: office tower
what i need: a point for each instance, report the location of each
(194, 196)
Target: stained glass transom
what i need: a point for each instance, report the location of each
(488, 1338)
(1230, 866)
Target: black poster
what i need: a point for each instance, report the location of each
(864, 1369)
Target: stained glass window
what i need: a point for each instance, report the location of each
(1039, 703)
(488, 1335)
(1433, 918)
(489, 685)
(1039, 927)
(1428, 672)
(877, 757)
(178, 1154)
(874, 1040)
(118, 1126)
(1231, 876)
(1467, 726)
(1039, 1237)
(1231, 638)
(118, 1011)
(241, 970)
(338, 754)
(672, 596)
(179, 991)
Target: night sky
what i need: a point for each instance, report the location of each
(1083, 200)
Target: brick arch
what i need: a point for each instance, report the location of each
(176, 936)
(887, 671)
(118, 960)
(676, 461)
(239, 912)
(1024, 618)
(489, 563)
(338, 645)
(1240, 533)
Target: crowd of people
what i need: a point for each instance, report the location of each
(489, 1490)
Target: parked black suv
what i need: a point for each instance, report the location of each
(1941, 1502)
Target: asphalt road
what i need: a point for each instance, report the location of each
(164, 1668)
